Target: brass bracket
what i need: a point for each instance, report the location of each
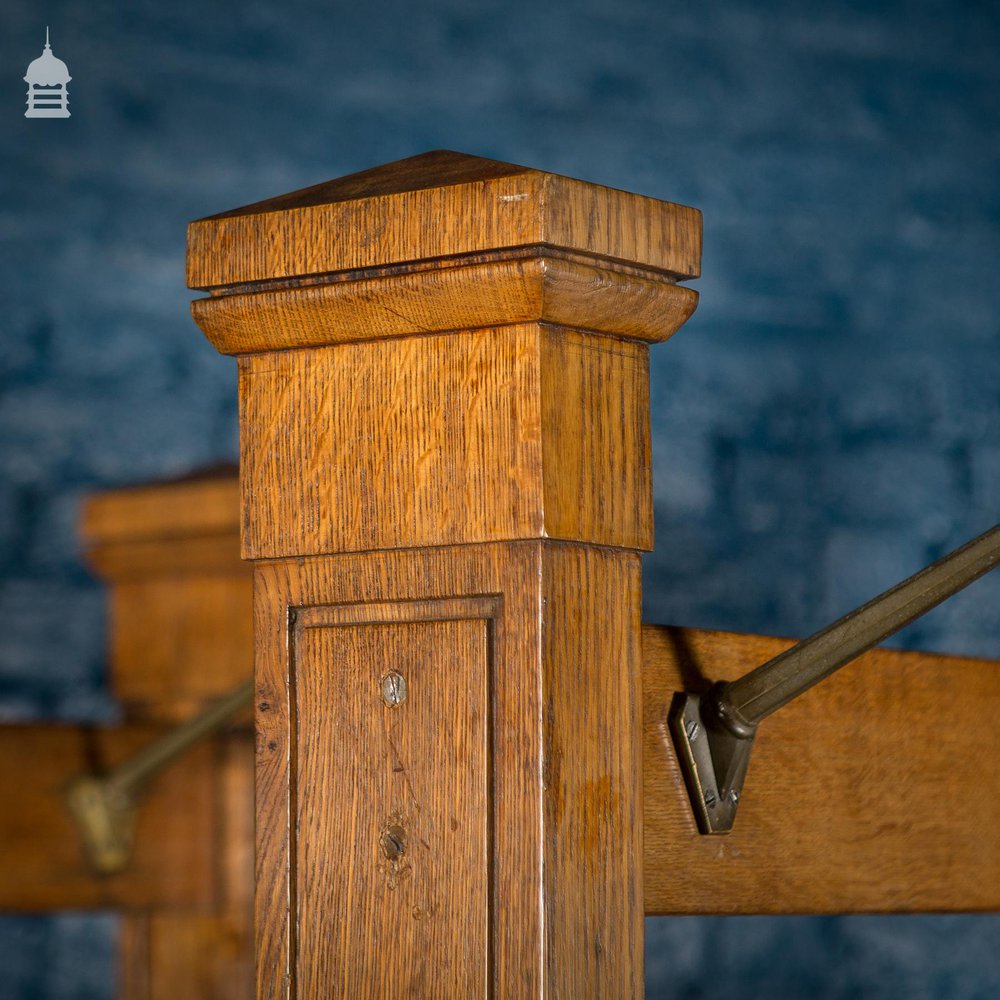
(104, 806)
(106, 818)
(713, 758)
(714, 733)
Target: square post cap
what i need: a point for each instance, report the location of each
(530, 419)
(437, 205)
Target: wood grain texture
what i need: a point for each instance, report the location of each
(872, 793)
(43, 865)
(597, 483)
(438, 168)
(430, 216)
(440, 440)
(454, 295)
(444, 397)
(400, 778)
(592, 766)
(561, 865)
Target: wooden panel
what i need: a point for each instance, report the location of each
(564, 856)
(442, 442)
(874, 792)
(591, 656)
(595, 439)
(503, 207)
(399, 773)
(519, 288)
(182, 556)
(410, 442)
(417, 454)
(42, 865)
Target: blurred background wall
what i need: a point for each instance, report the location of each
(826, 423)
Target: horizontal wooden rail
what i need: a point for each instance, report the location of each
(878, 791)
(875, 792)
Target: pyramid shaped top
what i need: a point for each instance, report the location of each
(438, 168)
(436, 205)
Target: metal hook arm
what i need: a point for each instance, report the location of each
(104, 805)
(714, 733)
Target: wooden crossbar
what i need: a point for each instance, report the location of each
(867, 815)
(870, 794)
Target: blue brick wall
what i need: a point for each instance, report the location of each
(827, 422)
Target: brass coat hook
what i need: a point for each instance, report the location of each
(714, 733)
(104, 805)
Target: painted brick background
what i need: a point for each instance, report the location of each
(827, 422)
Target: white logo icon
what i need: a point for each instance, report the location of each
(46, 79)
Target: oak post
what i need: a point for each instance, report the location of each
(445, 481)
(180, 637)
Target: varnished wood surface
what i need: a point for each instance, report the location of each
(508, 433)
(554, 789)
(597, 482)
(812, 835)
(875, 792)
(435, 215)
(592, 772)
(453, 296)
(42, 862)
(392, 468)
(401, 778)
(440, 167)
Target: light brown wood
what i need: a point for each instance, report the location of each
(179, 642)
(444, 400)
(467, 437)
(133, 957)
(197, 954)
(813, 833)
(180, 633)
(592, 772)
(433, 206)
(458, 296)
(872, 793)
(43, 865)
(780, 863)
(547, 835)
(180, 636)
(433, 794)
(202, 505)
(596, 462)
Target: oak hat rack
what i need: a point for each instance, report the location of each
(445, 483)
(445, 474)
